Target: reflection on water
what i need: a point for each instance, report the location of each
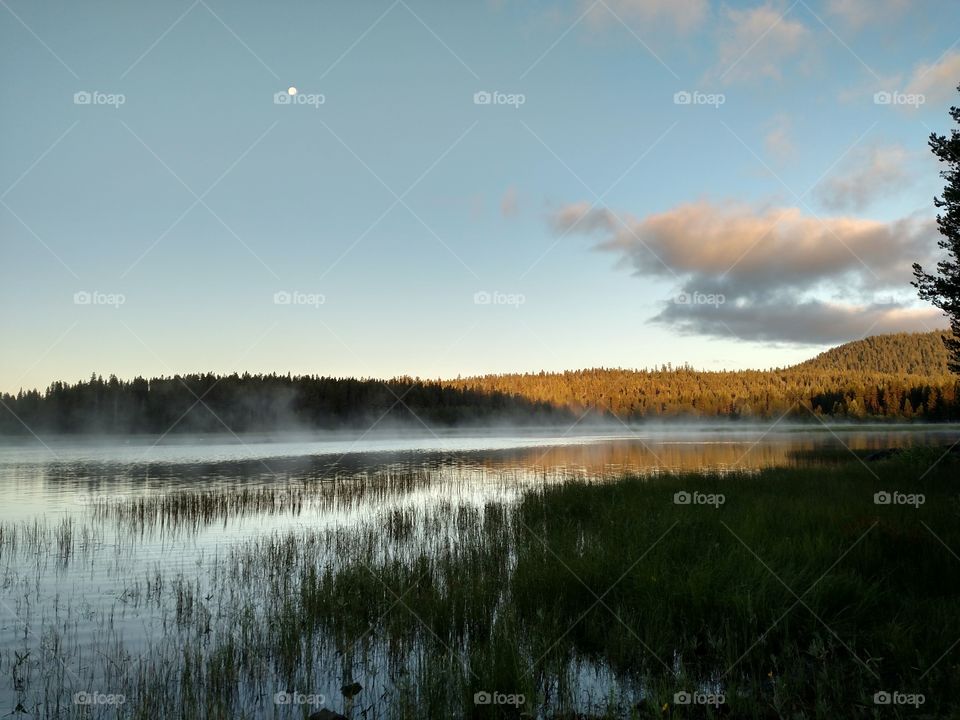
(110, 551)
(40, 479)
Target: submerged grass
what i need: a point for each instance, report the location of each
(797, 596)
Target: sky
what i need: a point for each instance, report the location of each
(439, 189)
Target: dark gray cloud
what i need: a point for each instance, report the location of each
(779, 319)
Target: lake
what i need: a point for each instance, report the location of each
(117, 553)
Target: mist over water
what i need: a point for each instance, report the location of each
(64, 474)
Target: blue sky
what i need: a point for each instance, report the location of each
(176, 218)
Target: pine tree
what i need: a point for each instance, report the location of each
(943, 288)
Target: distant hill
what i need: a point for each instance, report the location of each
(899, 354)
(896, 377)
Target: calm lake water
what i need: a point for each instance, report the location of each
(62, 475)
(98, 539)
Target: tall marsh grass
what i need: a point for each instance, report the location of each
(797, 596)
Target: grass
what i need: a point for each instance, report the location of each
(797, 597)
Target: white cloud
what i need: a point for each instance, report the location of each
(777, 142)
(756, 43)
(858, 13)
(929, 84)
(868, 176)
(682, 15)
(937, 81)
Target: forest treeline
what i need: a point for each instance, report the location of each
(249, 403)
(897, 376)
(883, 377)
(756, 394)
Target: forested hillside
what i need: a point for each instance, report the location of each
(909, 353)
(635, 395)
(892, 376)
